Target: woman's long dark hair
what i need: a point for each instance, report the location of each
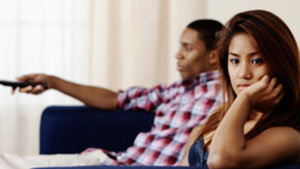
(279, 48)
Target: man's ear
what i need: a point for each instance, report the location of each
(212, 57)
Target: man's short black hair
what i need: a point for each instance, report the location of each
(207, 29)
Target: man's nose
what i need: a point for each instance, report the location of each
(179, 55)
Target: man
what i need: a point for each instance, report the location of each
(178, 107)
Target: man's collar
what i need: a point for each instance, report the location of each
(203, 77)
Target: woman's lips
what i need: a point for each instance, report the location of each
(243, 86)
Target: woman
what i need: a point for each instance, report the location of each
(258, 123)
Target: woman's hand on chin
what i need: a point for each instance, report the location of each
(265, 94)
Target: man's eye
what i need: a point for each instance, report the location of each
(188, 48)
(257, 61)
(234, 61)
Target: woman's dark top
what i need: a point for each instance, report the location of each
(197, 155)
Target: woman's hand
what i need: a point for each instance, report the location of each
(265, 94)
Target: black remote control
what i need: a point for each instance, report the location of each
(22, 84)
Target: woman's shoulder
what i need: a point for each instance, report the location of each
(283, 131)
(283, 141)
(288, 136)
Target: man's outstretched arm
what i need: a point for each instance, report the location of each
(92, 96)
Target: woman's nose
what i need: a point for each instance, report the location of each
(245, 71)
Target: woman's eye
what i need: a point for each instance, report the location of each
(257, 61)
(234, 61)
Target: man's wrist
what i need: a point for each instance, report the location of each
(52, 82)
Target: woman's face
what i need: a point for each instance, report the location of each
(245, 64)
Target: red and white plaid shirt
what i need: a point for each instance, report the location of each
(178, 109)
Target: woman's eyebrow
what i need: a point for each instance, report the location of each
(253, 53)
(250, 54)
(233, 54)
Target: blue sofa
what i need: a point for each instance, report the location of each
(71, 129)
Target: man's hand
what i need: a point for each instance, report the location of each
(42, 78)
(265, 94)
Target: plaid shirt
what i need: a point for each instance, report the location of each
(178, 109)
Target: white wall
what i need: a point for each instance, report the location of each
(288, 10)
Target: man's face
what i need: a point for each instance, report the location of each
(192, 56)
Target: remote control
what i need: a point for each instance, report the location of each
(22, 84)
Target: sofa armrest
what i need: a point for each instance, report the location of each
(72, 129)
